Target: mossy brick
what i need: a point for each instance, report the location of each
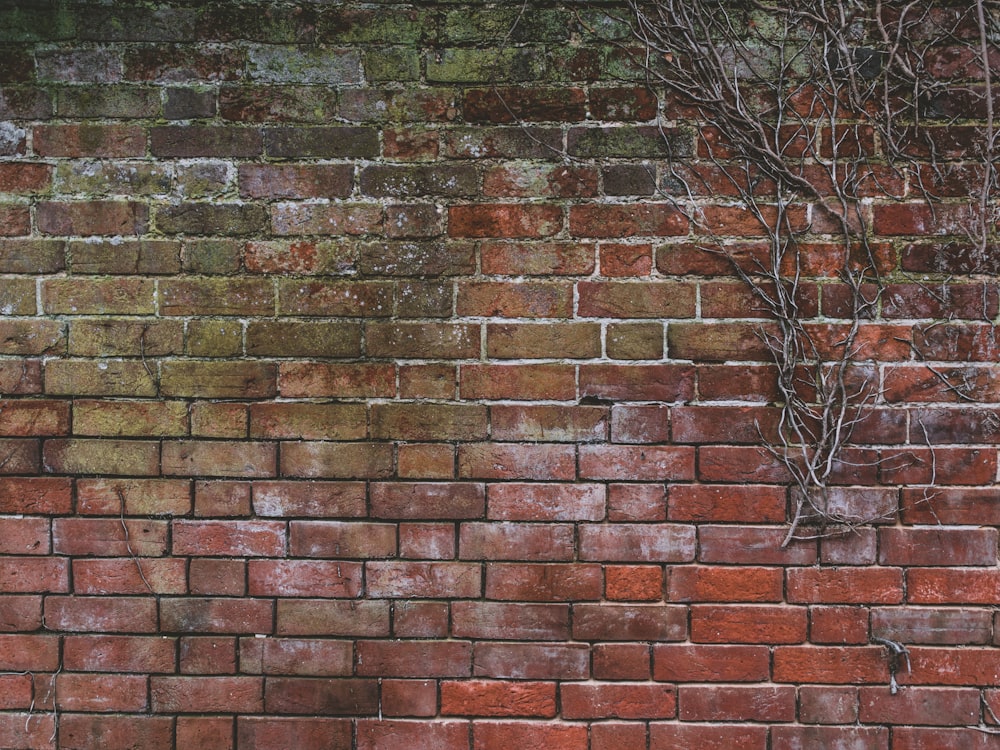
(430, 259)
(321, 379)
(391, 64)
(425, 105)
(27, 336)
(192, 141)
(136, 497)
(413, 221)
(296, 181)
(424, 299)
(122, 102)
(25, 178)
(189, 103)
(257, 22)
(122, 23)
(212, 379)
(628, 141)
(219, 458)
(17, 296)
(80, 65)
(204, 179)
(15, 219)
(277, 103)
(203, 218)
(218, 419)
(215, 337)
(463, 65)
(98, 178)
(20, 456)
(422, 340)
(471, 25)
(300, 338)
(634, 341)
(111, 337)
(304, 257)
(334, 460)
(33, 256)
(395, 181)
(17, 65)
(622, 103)
(349, 299)
(183, 63)
(99, 456)
(522, 299)
(89, 140)
(543, 340)
(130, 418)
(329, 66)
(525, 104)
(297, 421)
(326, 219)
(34, 418)
(445, 422)
(26, 103)
(211, 256)
(124, 257)
(406, 26)
(529, 142)
(324, 142)
(104, 377)
(98, 296)
(13, 139)
(100, 217)
(37, 22)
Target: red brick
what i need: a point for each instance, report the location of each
(102, 614)
(845, 586)
(622, 661)
(637, 502)
(618, 701)
(714, 736)
(24, 536)
(229, 538)
(622, 542)
(830, 664)
(414, 658)
(413, 619)
(413, 735)
(529, 735)
(116, 732)
(508, 461)
(928, 738)
(304, 578)
(517, 501)
(917, 705)
(828, 705)
(207, 694)
(620, 221)
(537, 259)
(101, 692)
(951, 586)
(643, 463)
(434, 541)
(21, 613)
(548, 423)
(427, 500)
(497, 698)
(613, 735)
(668, 383)
(219, 577)
(502, 220)
(516, 541)
(540, 582)
(760, 545)
(89, 140)
(555, 382)
(203, 731)
(324, 617)
(723, 424)
(681, 663)
(208, 615)
(119, 653)
(702, 583)
(514, 621)
(840, 625)
(98, 536)
(939, 546)
(857, 738)
(34, 574)
(950, 666)
(959, 626)
(22, 653)
(341, 539)
(432, 580)
(629, 622)
(764, 624)
(745, 503)
(414, 698)
(221, 498)
(532, 661)
(124, 576)
(339, 696)
(24, 177)
(772, 704)
(17, 220)
(93, 217)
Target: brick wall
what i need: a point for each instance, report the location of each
(342, 410)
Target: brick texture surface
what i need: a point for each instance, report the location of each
(361, 388)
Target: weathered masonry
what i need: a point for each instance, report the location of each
(381, 375)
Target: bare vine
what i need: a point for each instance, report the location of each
(809, 112)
